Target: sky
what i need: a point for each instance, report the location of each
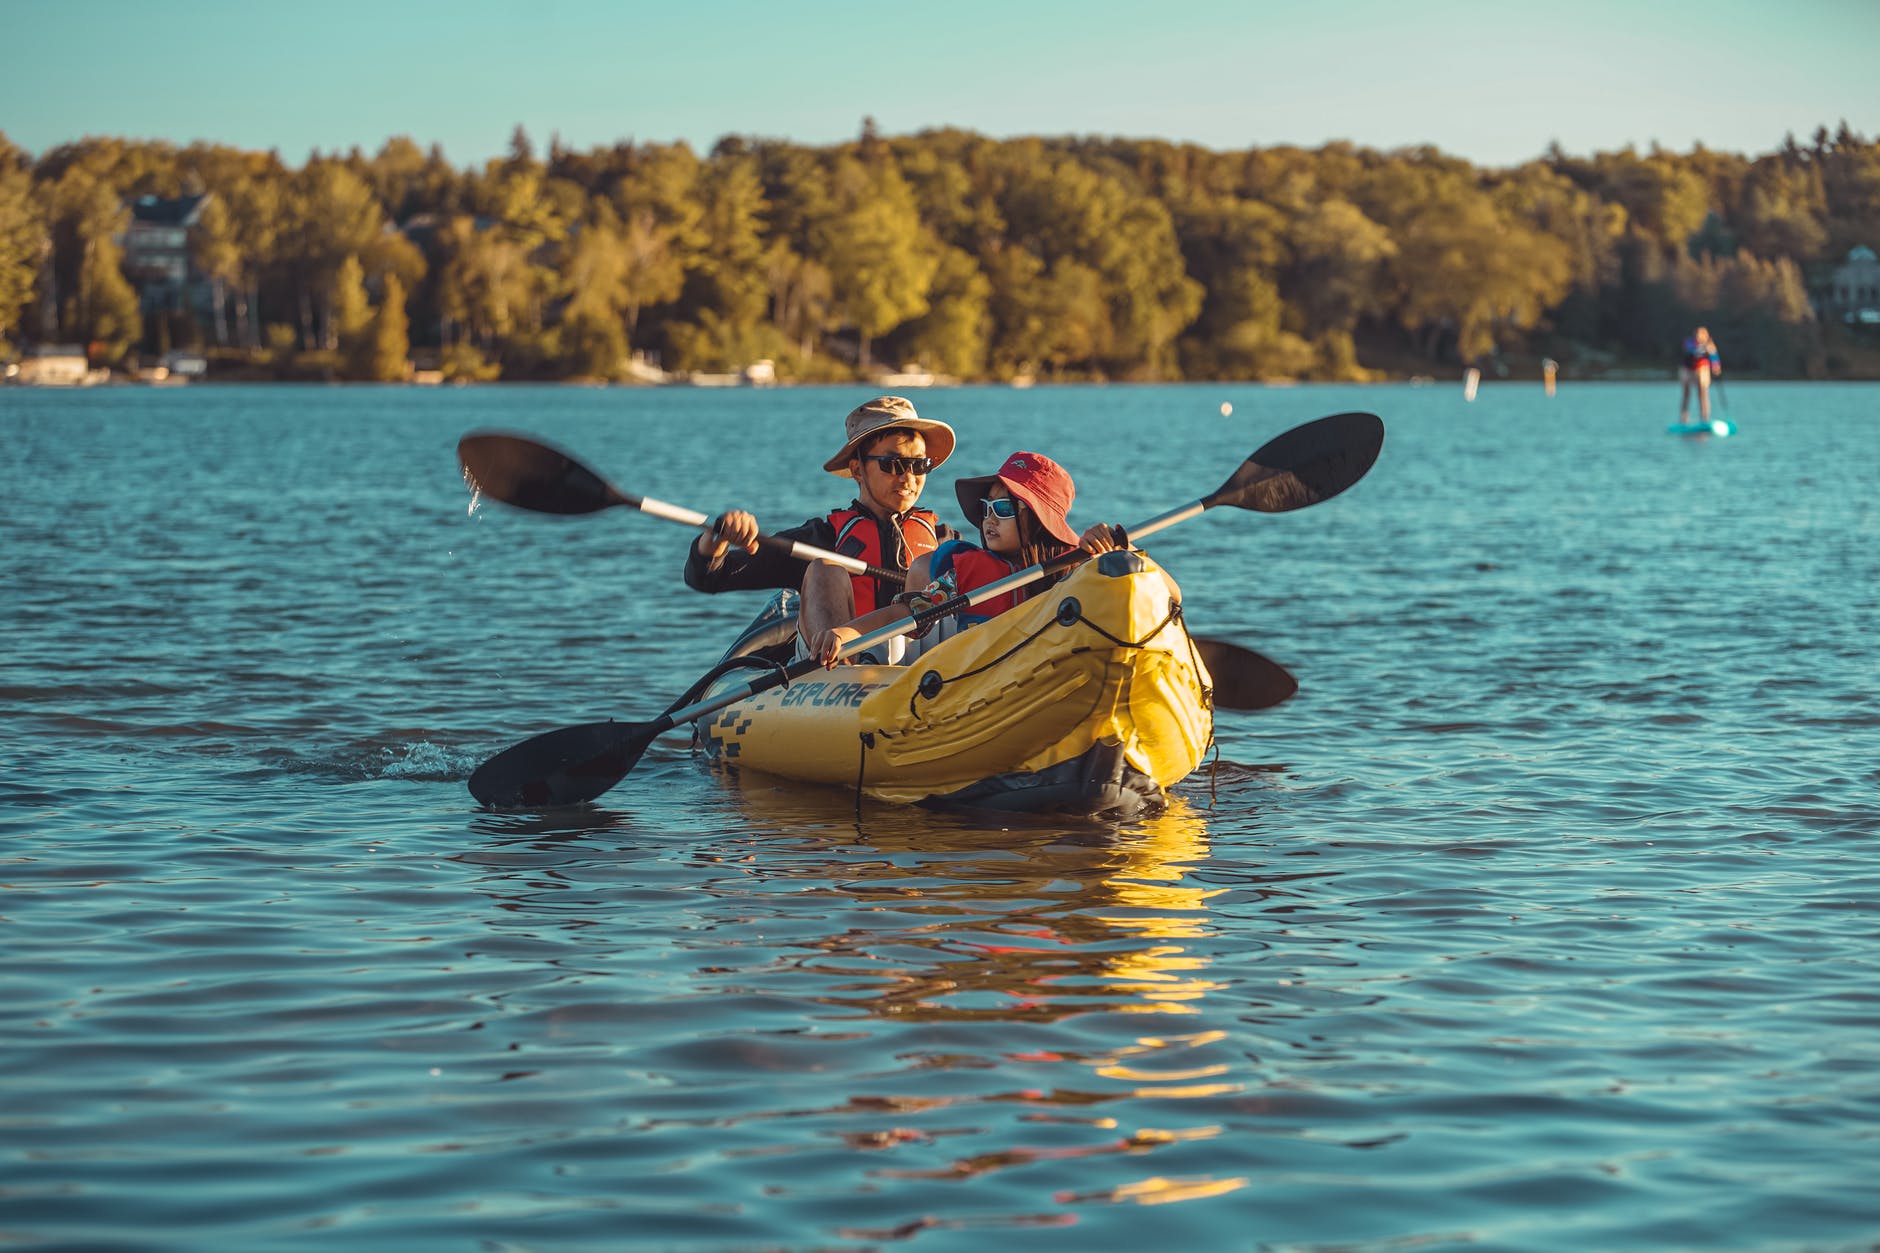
(1492, 82)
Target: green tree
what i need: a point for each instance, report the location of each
(24, 242)
(1061, 211)
(331, 215)
(1249, 338)
(1337, 265)
(1781, 212)
(385, 350)
(351, 307)
(218, 256)
(721, 322)
(953, 204)
(954, 335)
(240, 234)
(97, 303)
(1661, 196)
(487, 285)
(1150, 297)
(1236, 249)
(881, 261)
(1849, 169)
(655, 266)
(109, 318)
(533, 208)
(1545, 199)
(1021, 328)
(801, 295)
(1464, 270)
(408, 180)
(463, 363)
(1047, 320)
(593, 323)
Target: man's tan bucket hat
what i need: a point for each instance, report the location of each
(878, 415)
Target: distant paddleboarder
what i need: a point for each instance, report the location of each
(1697, 363)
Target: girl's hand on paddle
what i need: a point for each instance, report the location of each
(827, 644)
(735, 528)
(1100, 538)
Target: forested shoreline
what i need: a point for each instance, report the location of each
(948, 252)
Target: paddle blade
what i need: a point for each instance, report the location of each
(1243, 679)
(529, 475)
(1304, 466)
(563, 767)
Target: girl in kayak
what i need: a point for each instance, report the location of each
(1021, 515)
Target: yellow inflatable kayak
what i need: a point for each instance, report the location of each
(1088, 698)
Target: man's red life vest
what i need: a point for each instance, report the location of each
(858, 534)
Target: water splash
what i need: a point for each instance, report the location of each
(425, 762)
(413, 761)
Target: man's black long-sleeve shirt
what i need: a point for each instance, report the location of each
(740, 571)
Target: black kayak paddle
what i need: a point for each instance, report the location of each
(529, 474)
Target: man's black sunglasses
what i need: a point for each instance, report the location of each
(902, 465)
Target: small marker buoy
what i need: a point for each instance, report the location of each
(1226, 409)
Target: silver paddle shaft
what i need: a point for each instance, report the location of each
(802, 552)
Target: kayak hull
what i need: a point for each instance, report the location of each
(1088, 698)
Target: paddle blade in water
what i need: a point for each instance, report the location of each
(1243, 679)
(1304, 466)
(564, 767)
(529, 475)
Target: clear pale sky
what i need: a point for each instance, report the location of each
(1490, 82)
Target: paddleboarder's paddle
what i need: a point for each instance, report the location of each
(532, 475)
(1306, 465)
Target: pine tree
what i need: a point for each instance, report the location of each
(387, 343)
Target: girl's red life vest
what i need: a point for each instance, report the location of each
(858, 534)
(974, 568)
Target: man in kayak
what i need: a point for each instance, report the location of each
(1021, 514)
(888, 451)
(1698, 362)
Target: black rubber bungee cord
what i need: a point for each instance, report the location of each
(1070, 613)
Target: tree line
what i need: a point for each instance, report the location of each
(1047, 258)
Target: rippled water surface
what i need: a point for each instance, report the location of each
(1544, 917)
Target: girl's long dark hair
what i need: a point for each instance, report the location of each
(1035, 547)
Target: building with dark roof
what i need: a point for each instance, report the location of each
(1854, 287)
(157, 252)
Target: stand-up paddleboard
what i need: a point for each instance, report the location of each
(1718, 426)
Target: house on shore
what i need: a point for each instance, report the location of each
(55, 365)
(157, 254)
(1853, 289)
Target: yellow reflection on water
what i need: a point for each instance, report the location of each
(908, 916)
(1159, 1191)
(960, 922)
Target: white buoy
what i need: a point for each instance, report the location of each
(1227, 410)
(1471, 378)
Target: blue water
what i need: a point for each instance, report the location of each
(1544, 917)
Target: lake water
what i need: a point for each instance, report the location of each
(1544, 917)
